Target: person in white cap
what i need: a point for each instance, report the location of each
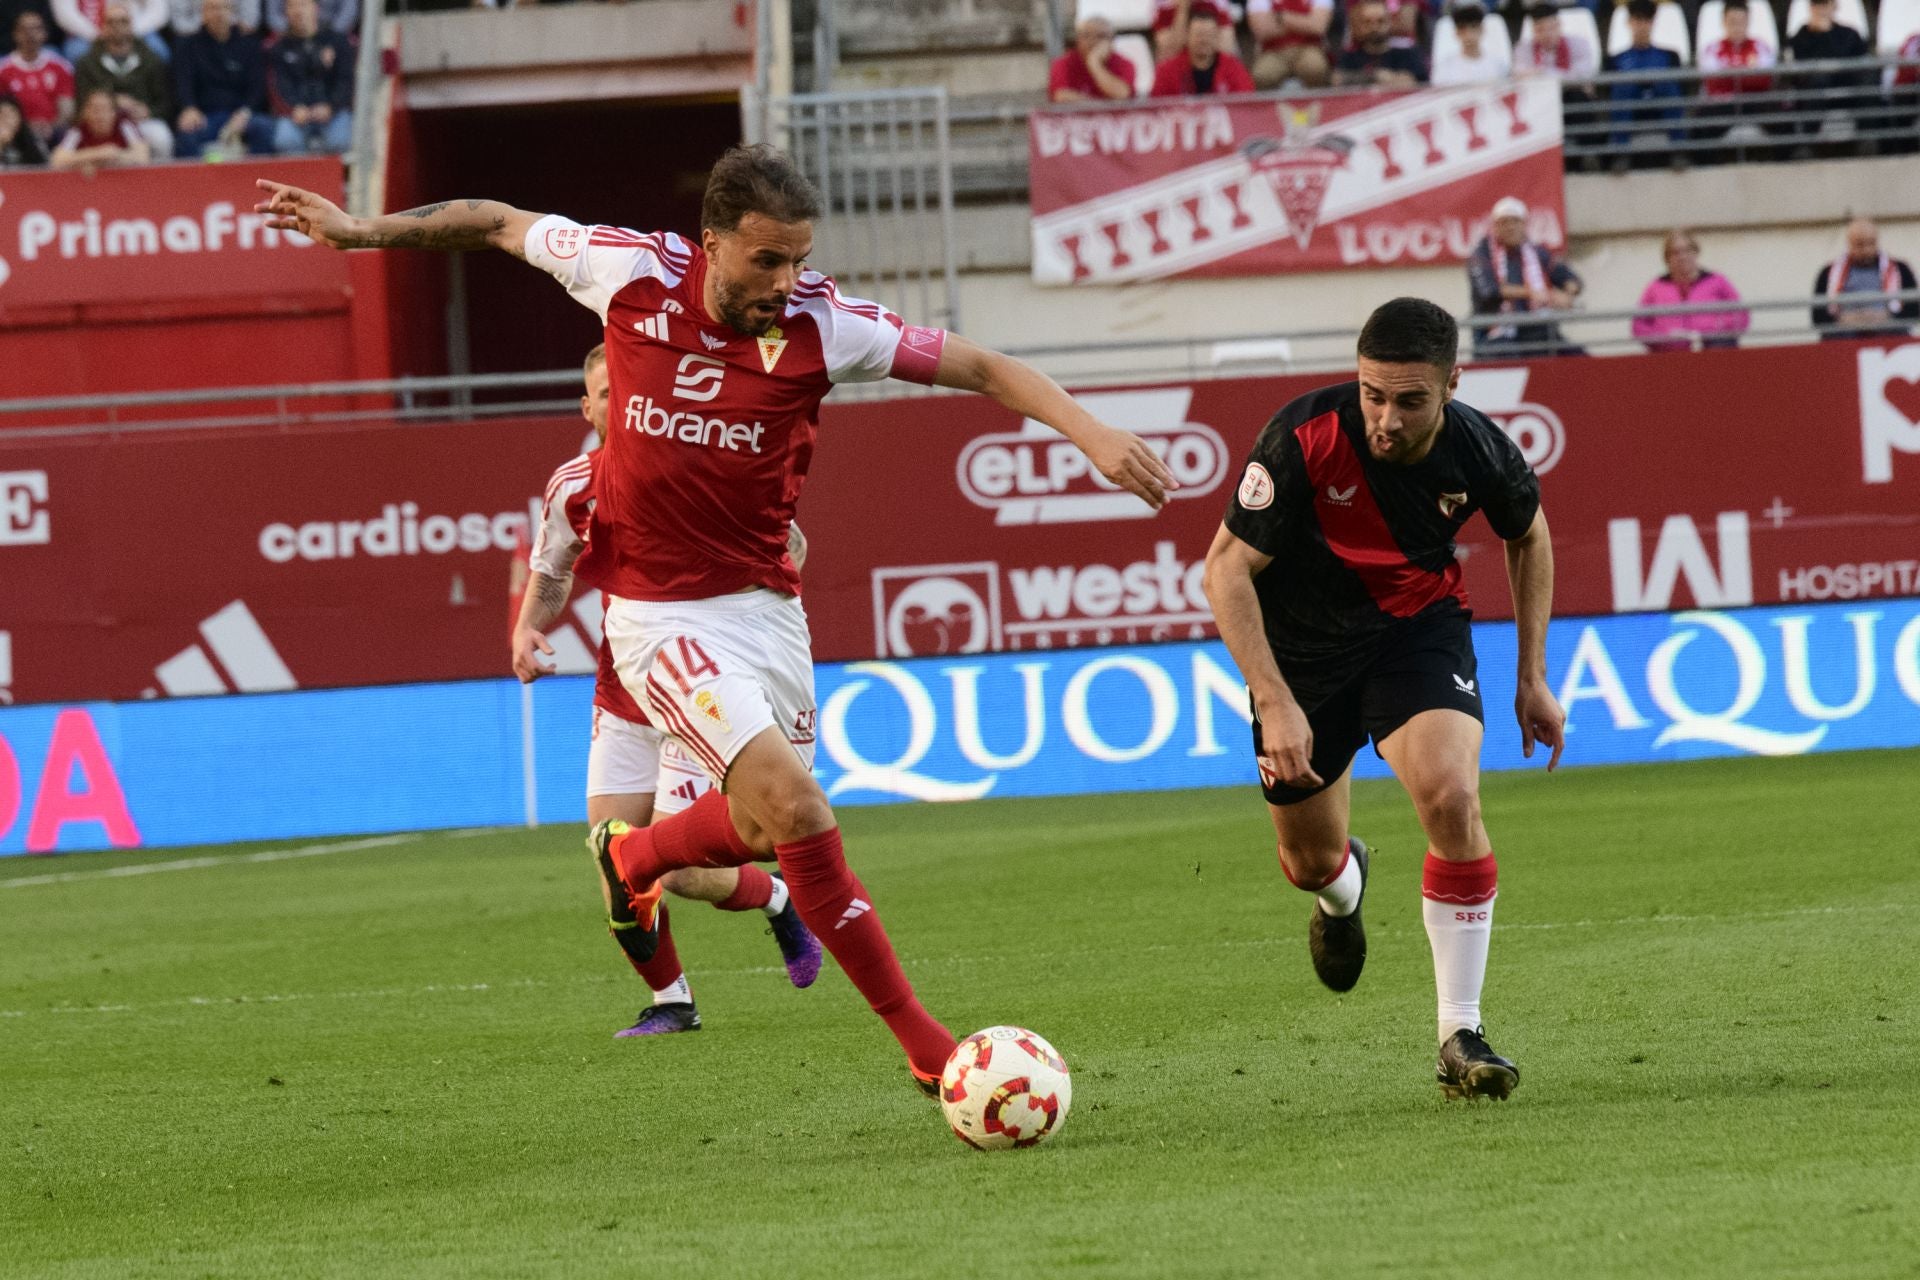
(1510, 275)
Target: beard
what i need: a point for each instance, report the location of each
(736, 312)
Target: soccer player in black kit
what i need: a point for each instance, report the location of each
(1334, 584)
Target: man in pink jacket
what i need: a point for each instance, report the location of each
(1686, 282)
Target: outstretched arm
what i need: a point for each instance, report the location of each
(452, 225)
(1530, 573)
(1121, 456)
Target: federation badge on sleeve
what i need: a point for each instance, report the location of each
(1256, 488)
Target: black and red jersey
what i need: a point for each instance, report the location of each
(1358, 544)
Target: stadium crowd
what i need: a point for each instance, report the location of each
(1668, 46)
(100, 83)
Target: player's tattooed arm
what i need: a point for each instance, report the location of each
(450, 225)
(543, 604)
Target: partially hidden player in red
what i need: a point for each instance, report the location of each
(720, 353)
(1335, 586)
(635, 771)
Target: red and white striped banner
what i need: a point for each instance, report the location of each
(1308, 184)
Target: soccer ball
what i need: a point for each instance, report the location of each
(1005, 1087)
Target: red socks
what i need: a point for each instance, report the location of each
(701, 835)
(754, 891)
(835, 905)
(664, 969)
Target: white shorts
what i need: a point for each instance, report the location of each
(717, 673)
(637, 759)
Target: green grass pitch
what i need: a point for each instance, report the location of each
(395, 1060)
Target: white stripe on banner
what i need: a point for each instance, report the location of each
(571, 656)
(189, 674)
(245, 651)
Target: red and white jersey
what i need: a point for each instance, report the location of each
(38, 85)
(1726, 55)
(565, 522)
(710, 432)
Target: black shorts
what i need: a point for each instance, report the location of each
(1422, 665)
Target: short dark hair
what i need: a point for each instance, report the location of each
(1541, 12)
(1469, 15)
(1411, 331)
(1641, 9)
(757, 179)
(1740, 5)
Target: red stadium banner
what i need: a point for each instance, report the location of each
(131, 565)
(1245, 187)
(159, 234)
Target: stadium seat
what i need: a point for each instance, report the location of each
(1126, 15)
(1576, 22)
(1494, 37)
(1669, 30)
(1899, 19)
(1846, 13)
(1136, 49)
(1760, 25)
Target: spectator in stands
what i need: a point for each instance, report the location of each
(82, 22)
(1641, 55)
(1291, 36)
(1903, 92)
(342, 16)
(310, 76)
(102, 137)
(37, 78)
(1736, 50)
(1688, 282)
(1472, 62)
(1202, 68)
(1171, 19)
(20, 147)
(1376, 59)
(1824, 40)
(133, 74)
(220, 79)
(1863, 268)
(1091, 69)
(1510, 275)
(1549, 51)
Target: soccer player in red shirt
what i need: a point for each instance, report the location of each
(1335, 587)
(720, 353)
(634, 770)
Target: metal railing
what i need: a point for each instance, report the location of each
(882, 160)
(990, 153)
(1774, 322)
(1810, 104)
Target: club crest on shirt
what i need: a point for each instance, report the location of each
(771, 344)
(1451, 502)
(1256, 488)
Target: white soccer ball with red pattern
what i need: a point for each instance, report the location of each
(1005, 1087)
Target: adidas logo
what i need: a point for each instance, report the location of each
(251, 662)
(855, 909)
(654, 327)
(688, 791)
(1342, 497)
(712, 343)
(1466, 686)
(674, 307)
